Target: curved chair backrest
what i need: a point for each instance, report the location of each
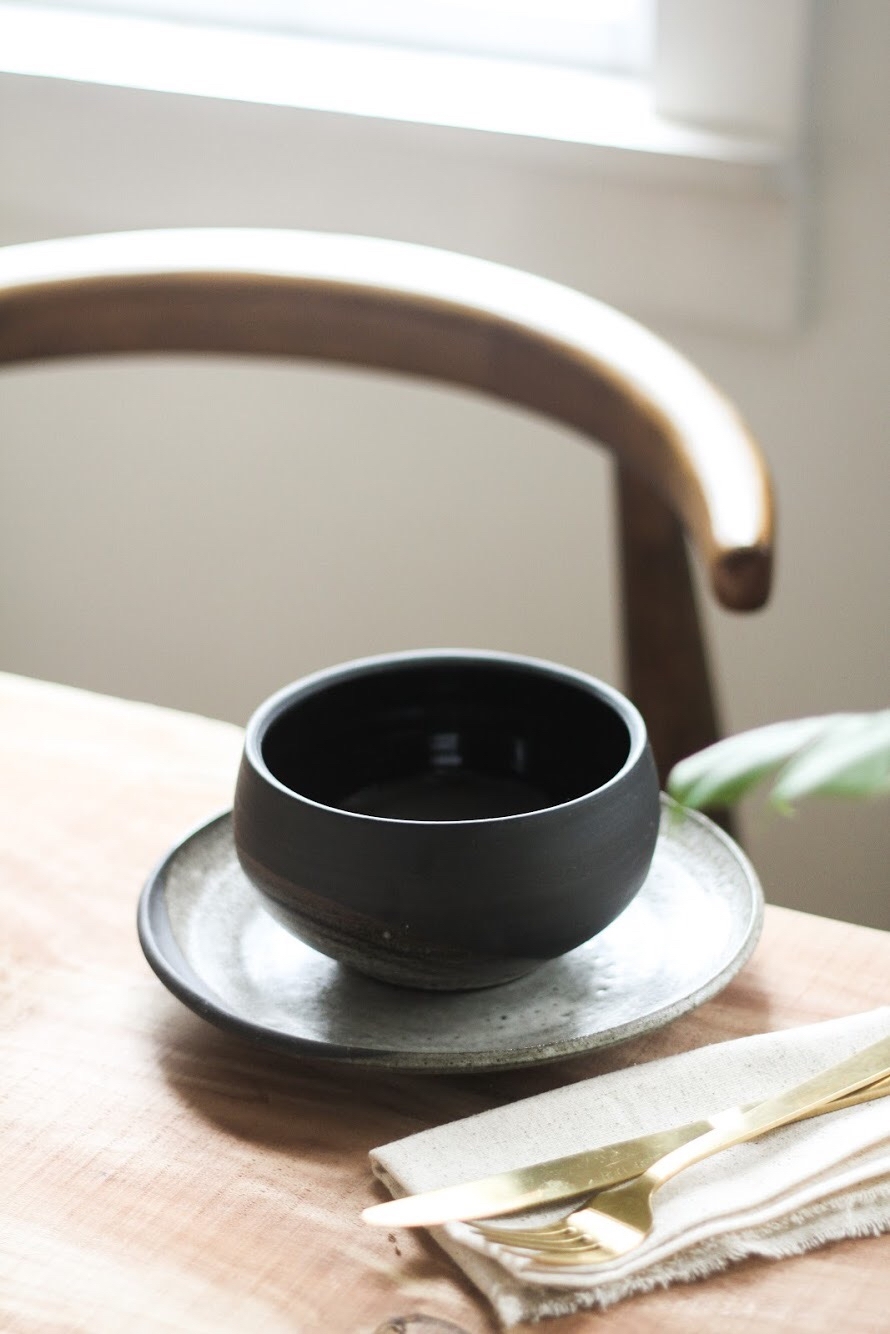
(686, 463)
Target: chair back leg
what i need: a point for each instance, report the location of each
(665, 662)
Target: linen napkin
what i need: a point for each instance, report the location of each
(792, 1190)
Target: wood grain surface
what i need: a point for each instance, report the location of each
(156, 1174)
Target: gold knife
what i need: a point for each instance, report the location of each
(559, 1179)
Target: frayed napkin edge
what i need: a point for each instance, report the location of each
(858, 1214)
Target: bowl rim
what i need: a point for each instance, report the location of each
(271, 709)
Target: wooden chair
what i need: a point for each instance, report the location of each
(685, 462)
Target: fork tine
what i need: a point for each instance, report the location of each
(584, 1227)
(569, 1259)
(534, 1236)
(587, 1234)
(566, 1241)
(572, 1246)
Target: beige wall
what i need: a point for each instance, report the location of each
(199, 534)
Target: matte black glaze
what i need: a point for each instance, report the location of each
(447, 819)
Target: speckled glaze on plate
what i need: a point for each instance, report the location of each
(689, 930)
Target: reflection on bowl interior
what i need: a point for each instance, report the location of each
(446, 741)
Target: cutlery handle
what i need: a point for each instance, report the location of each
(740, 1124)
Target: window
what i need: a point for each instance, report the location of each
(608, 35)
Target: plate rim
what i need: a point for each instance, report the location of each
(174, 970)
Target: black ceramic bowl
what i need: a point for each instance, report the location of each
(446, 819)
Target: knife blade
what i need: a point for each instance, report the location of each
(560, 1179)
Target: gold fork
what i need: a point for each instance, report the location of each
(620, 1218)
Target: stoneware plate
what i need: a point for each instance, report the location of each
(686, 934)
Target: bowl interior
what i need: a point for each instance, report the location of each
(446, 741)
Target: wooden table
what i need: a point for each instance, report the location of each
(160, 1175)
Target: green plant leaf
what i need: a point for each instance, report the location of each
(850, 758)
(722, 773)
